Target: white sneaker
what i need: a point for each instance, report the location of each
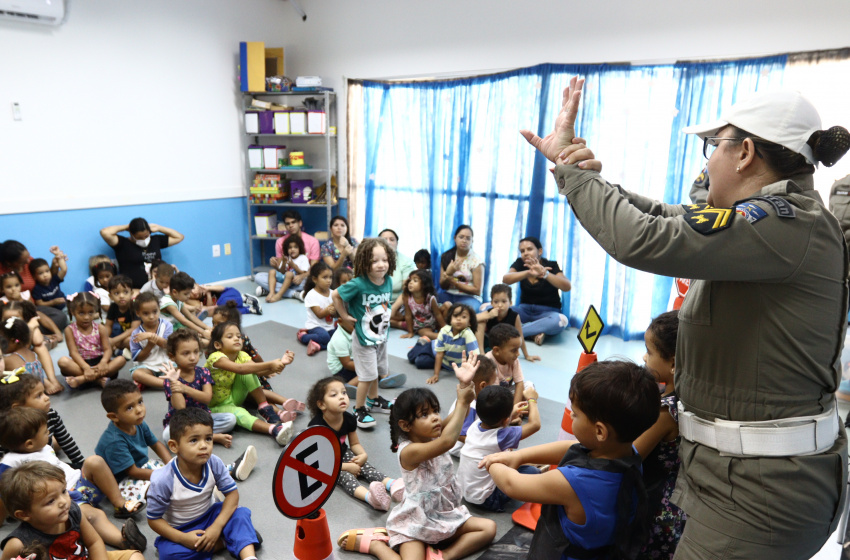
(246, 462)
(282, 433)
(260, 291)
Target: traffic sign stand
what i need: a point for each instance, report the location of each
(591, 329)
(303, 480)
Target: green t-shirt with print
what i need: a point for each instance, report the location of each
(370, 306)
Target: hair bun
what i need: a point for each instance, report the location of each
(829, 146)
(231, 303)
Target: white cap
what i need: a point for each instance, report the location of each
(783, 117)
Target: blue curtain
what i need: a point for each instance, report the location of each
(444, 153)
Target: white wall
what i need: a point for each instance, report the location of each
(127, 102)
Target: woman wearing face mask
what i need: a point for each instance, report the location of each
(136, 253)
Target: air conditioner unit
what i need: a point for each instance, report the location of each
(46, 12)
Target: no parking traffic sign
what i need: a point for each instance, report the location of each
(306, 472)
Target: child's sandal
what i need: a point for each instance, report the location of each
(432, 553)
(366, 538)
(292, 405)
(128, 509)
(287, 415)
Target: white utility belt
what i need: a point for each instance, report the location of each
(786, 437)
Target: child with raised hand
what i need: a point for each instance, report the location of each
(24, 433)
(148, 342)
(500, 313)
(90, 352)
(26, 390)
(286, 408)
(659, 445)
(431, 512)
(181, 505)
(235, 378)
(18, 354)
(422, 313)
(506, 342)
(36, 493)
(596, 497)
(171, 305)
(102, 270)
(124, 445)
(47, 278)
(328, 403)
(321, 314)
(454, 339)
(292, 272)
(365, 303)
(121, 318)
(190, 386)
(491, 433)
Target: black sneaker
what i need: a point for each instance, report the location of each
(132, 538)
(364, 419)
(246, 462)
(252, 303)
(268, 414)
(381, 405)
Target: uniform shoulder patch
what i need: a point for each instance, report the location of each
(751, 212)
(783, 208)
(708, 219)
(702, 180)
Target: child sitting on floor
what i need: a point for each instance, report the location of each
(124, 445)
(24, 433)
(321, 315)
(26, 390)
(148, 341)
(26, 311)
(328, 402)
(422, 313)
(36, 493)
(491, 434)
(16, 334)
(182, 510)
(121, 317)
(159, 285)
(172, 307)
(102, 270)
(292, 273)
(499, 313)
(89, 350)
(595, 498)
(506, 341)
(47, 279)
(454, 339)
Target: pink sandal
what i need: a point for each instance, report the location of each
(366, 538)
(292, 405)
(287, 415)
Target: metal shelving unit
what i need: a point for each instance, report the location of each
(319, 149)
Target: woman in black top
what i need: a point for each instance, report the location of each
(541, 283)
(136, 253)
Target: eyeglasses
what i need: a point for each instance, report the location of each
(709, 143)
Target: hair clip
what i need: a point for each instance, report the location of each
(10, 377)
(10, 322)
(70, 297)
(28, 557)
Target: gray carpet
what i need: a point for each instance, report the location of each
(85, 419)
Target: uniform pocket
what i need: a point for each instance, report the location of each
(696, 308)
(709, 473)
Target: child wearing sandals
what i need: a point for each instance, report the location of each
(286, 408)
(23, 430)
(26, 311)
(321, 315)
(90, 352)
(27, 390)
(55, 524)
(431, 512)
(328, 403)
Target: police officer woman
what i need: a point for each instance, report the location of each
(764, 457)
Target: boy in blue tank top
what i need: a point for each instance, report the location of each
(594, 502)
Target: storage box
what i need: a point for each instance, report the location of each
(255, 157)
(316, 122)
(298, 122)
(281, 122)
(264, 221)
(252, 66)
(252, 122)
(302, 190)
(273, 157)
(266, 122)
(274, 62)
(296, 159)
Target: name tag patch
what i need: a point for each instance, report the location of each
(783, 208)
(708, 219)
(750, 212)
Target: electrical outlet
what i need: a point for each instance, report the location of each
(227, 248)
(216, 250)
(16, 111)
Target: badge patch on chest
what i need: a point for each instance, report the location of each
(707, 219)
(750, 212)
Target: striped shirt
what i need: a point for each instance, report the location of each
(57, 428)
(453, 345)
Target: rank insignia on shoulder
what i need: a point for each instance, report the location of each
(783, 208)
(707, 219)
(751, 212)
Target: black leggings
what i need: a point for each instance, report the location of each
(348, 481)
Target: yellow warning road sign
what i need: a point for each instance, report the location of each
(590, 330)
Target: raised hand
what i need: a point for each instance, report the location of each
(564, 132)
(170, 372)
(466, 371)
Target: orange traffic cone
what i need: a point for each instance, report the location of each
(528, 514)
(313, 539)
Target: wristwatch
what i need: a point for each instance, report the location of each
(545, 276)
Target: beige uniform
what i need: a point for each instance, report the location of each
(760, 337)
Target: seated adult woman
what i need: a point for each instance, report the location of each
(541, 283)
(14, 257)
(338, 251)
(461, 271)
(136, 253)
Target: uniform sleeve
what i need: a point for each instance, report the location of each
(467, 422)
(223, 481)
(657, 238)
(135, 347)
(509, 437)
(167, 328)
(159, 492)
